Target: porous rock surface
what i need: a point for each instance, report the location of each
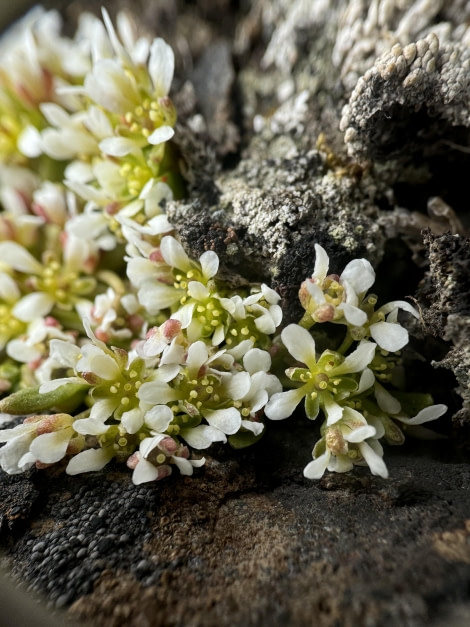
(299, 122)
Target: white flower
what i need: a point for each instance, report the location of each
(163, 279)
(33, 345)
(331, 297)
(155, 455)
(325, 381)
(43, 439)
(387, 331)
(349, 441)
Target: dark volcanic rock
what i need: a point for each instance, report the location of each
(250, 542)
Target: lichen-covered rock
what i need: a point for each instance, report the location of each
(270, 214)
(445, 296)
(408, 99)
(368, 30)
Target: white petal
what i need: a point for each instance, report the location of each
(353, 315)
(90, 426)
(218, 336)
(155, 297)
(315, 292)
(161, 66)
(173, 253)
(374, 460)
(316, 468)
(160, 135)
(238, 385)
(389, 336)
(366, 381)
(209, 263)
(265, 324)
(202, 436)
(322, 263)
(9, 291)
(256, 360)
(184, 465)
(255, 427)
(275, 311)
(149, 444)
(398, 304)
(23, 352)
(358, 360)
(340, 464)
(156, 392)
(387, 403)
(132, 420)
(159, 418)
(12, 453)
(31, 306)
(18, 258)
(90, 460)
(198, 291)
(185, 315)
(118, 146)
(99, 363)
(66, 353)
(283, 404)
(334, 412)
(144, 472)
(360, 274)
(227, 420)
(360, 434)
(50, 448)
(299, 343)
(30, 142)
(425, 415)
(197, 356)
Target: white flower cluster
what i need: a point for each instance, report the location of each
(346, 385)
(115, 343)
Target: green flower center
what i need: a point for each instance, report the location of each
(10, 326)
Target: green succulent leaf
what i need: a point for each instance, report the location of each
(65, 398)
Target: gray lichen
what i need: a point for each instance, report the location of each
(407, 95)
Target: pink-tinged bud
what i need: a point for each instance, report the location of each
(304, 295)
(91, 378)
(54, 422)
(34, 365)
(135, 322)
(133, 460)
(335, 441)
(163, 472)
(333, 277)
(112, 208)
(151, 332)
(156, 255)
(324, 313)
(170, 329)
(120, 352)
(168, 446)
(5, 385)
(32, 419)
(75, 445)
(51, 322)
(184, 452)
(39, 210)
(102, 335)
